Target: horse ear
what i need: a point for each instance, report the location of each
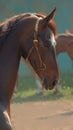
(46, 20)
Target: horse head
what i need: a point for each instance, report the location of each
(38, 47)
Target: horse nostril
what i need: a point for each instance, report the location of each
(54, 82)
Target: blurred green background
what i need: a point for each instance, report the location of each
(63, 19)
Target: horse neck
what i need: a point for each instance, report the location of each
(62, 43)
(20, 29)
(9, 53)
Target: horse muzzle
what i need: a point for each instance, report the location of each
(47, 84)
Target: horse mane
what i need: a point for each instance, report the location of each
(66, 34)
(9, 23)
(69, 33)
(51, 24)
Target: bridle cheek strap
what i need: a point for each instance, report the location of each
(35, 45)
(42, 65)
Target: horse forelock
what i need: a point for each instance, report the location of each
(65, 35)
(52, 26)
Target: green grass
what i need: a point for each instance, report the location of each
(27, 90)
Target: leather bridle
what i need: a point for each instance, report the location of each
(35, 46)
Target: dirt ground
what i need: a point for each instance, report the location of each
(50, 115)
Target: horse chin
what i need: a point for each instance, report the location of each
(51, 87)
(47, 86)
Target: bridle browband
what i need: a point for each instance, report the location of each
(35, 46)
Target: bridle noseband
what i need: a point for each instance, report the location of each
(35, 46)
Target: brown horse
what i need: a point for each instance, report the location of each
(32, 38)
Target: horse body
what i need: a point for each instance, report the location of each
(65, 44)
(29, 37)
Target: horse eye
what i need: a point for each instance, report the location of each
(47, 44)
(48, 39)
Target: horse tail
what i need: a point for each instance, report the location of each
(5, 123)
